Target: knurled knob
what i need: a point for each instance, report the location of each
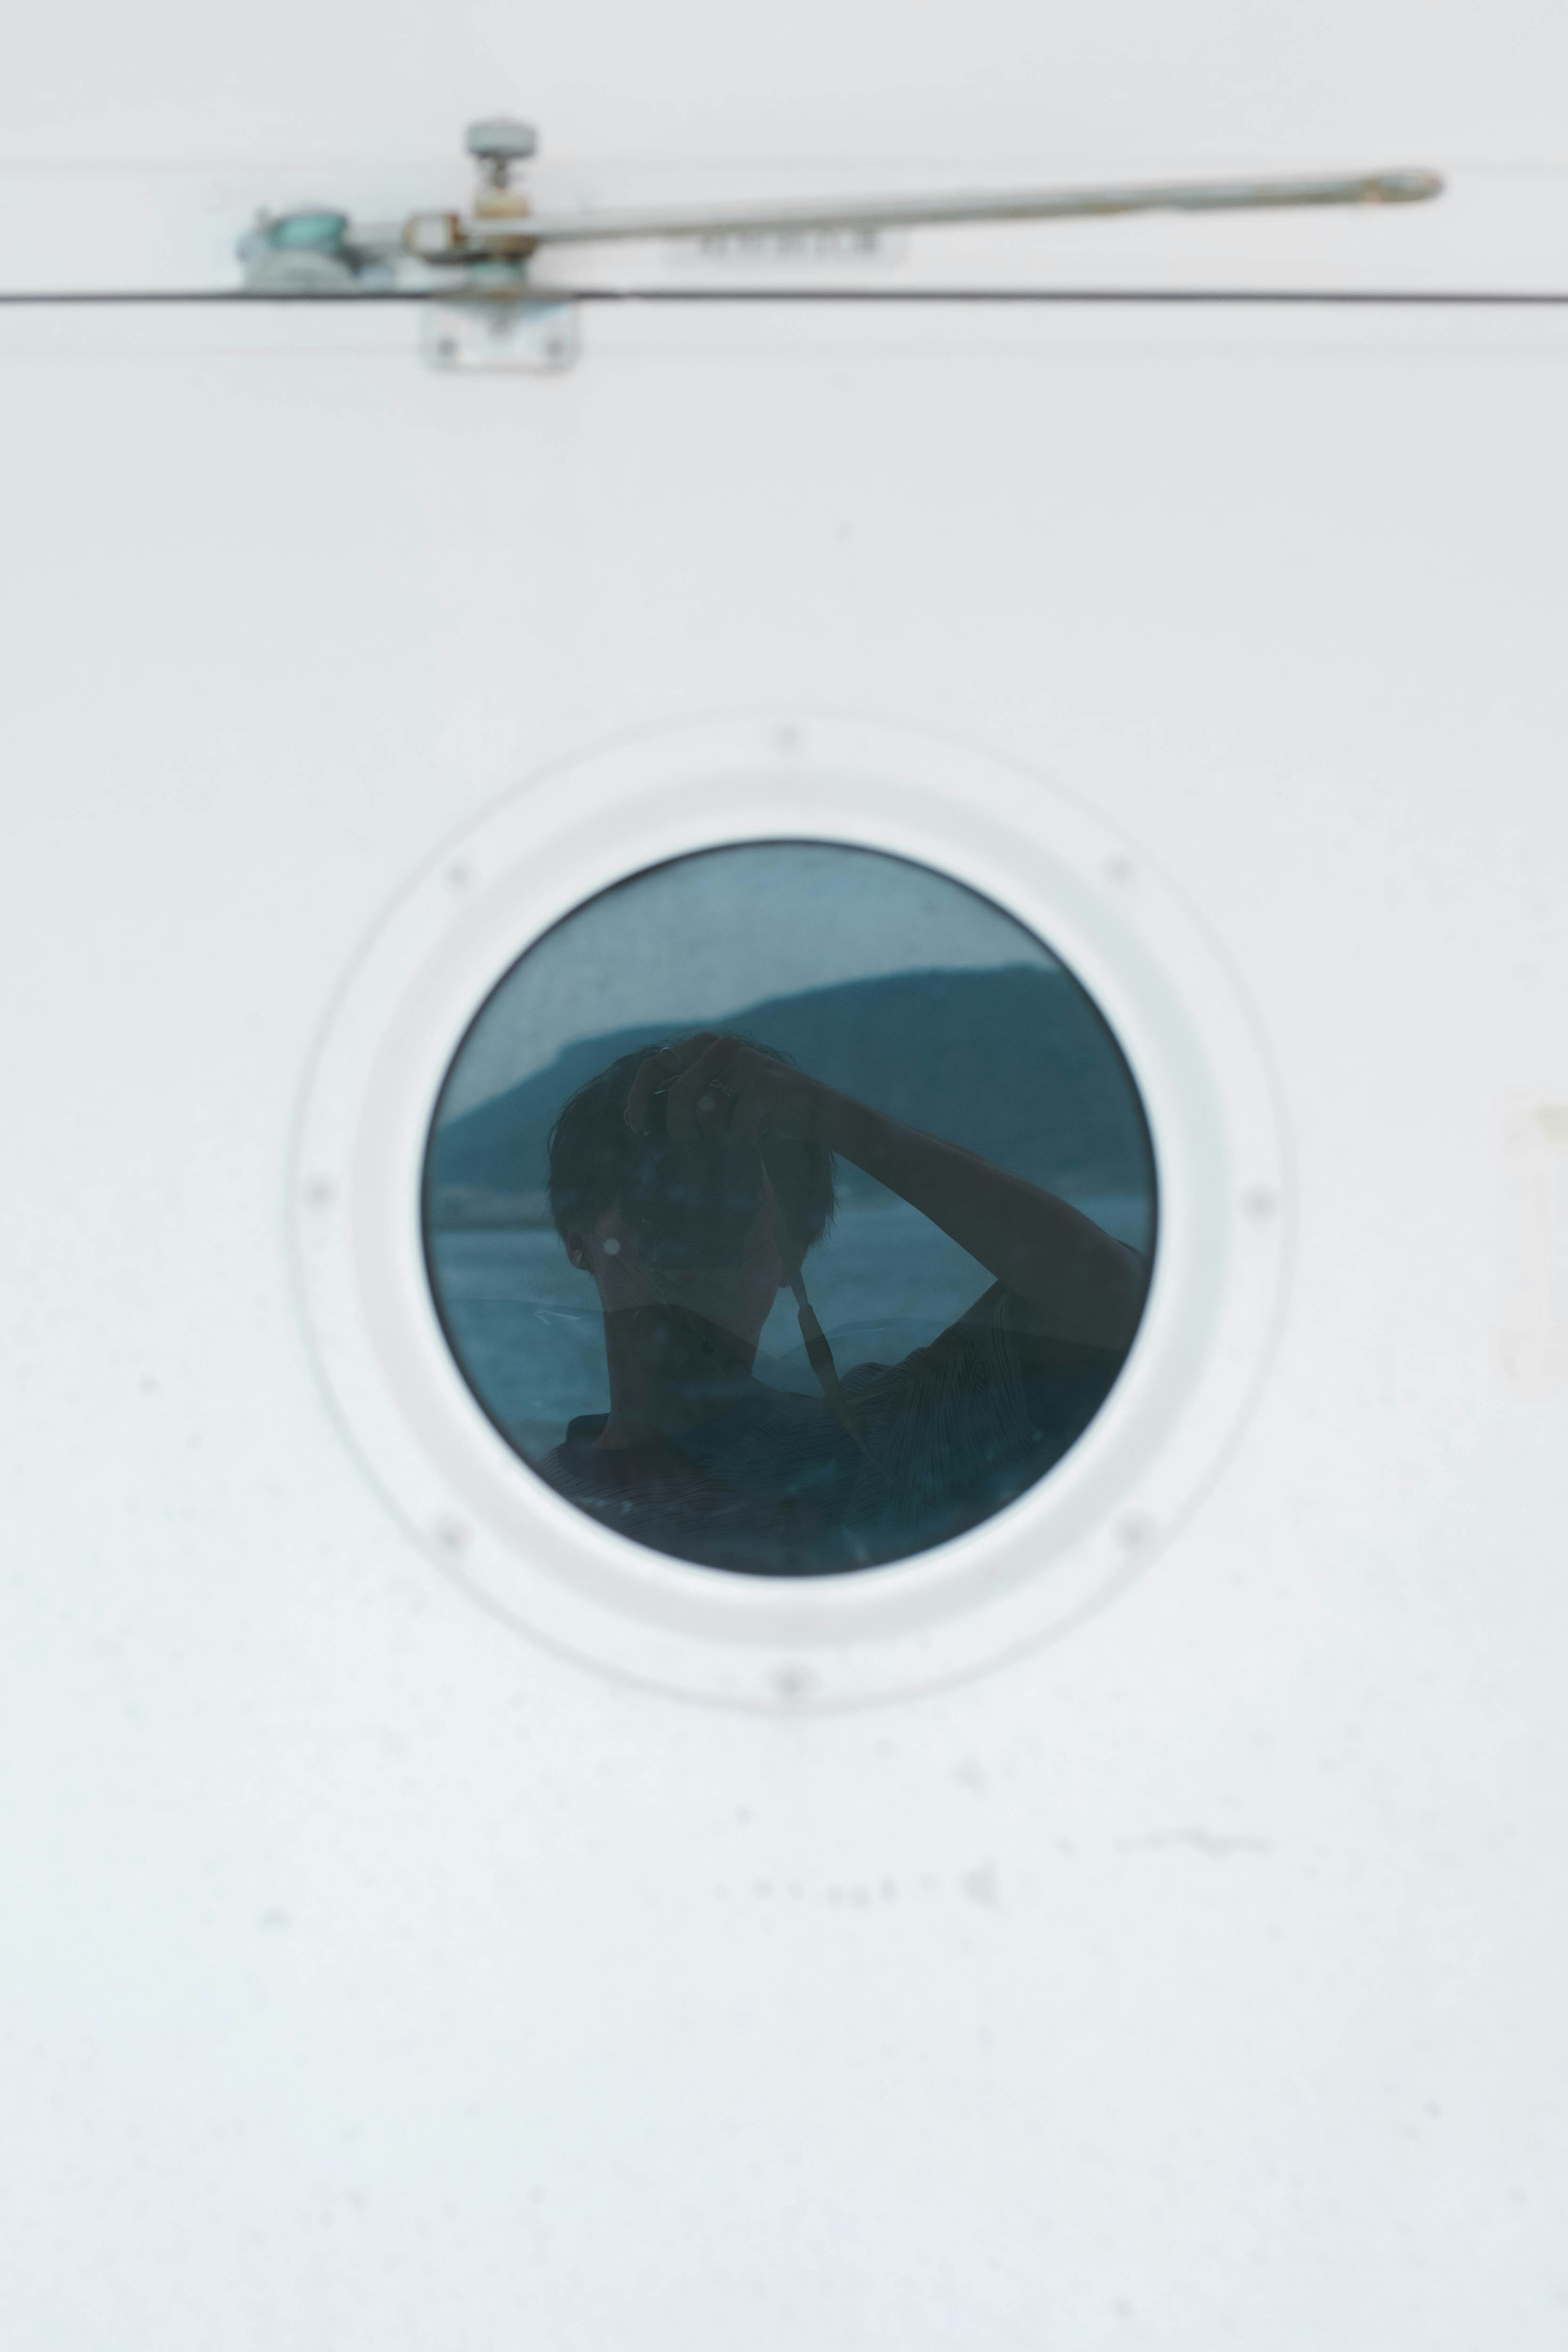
(499, 140)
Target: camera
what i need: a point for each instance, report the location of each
(691, 1204)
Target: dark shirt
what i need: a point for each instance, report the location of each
(776, 1486)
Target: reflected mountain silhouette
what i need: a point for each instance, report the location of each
(1012, 1062)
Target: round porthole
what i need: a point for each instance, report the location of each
(790, 1210)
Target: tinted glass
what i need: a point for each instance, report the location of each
(790, 1208)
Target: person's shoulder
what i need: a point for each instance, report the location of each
(995, 1340)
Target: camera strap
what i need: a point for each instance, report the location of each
(818, 1354)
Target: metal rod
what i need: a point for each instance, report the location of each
(911, 212)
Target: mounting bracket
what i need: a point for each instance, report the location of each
(536, 334)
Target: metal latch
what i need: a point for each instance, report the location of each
(472, 268)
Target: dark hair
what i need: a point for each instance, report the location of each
(593, 1152)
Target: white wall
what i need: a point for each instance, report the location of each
(377, 1979)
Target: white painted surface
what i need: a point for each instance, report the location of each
(376, 1979)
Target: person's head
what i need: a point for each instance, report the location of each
(697, 1227)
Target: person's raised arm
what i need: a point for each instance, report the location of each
(1076, 1283)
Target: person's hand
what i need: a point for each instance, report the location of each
(717, 1086)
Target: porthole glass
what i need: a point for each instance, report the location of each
(789, 1208)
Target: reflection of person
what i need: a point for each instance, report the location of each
(691, 1183)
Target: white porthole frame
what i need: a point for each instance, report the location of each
(1063, 1548)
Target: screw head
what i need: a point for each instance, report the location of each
(500, 139)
